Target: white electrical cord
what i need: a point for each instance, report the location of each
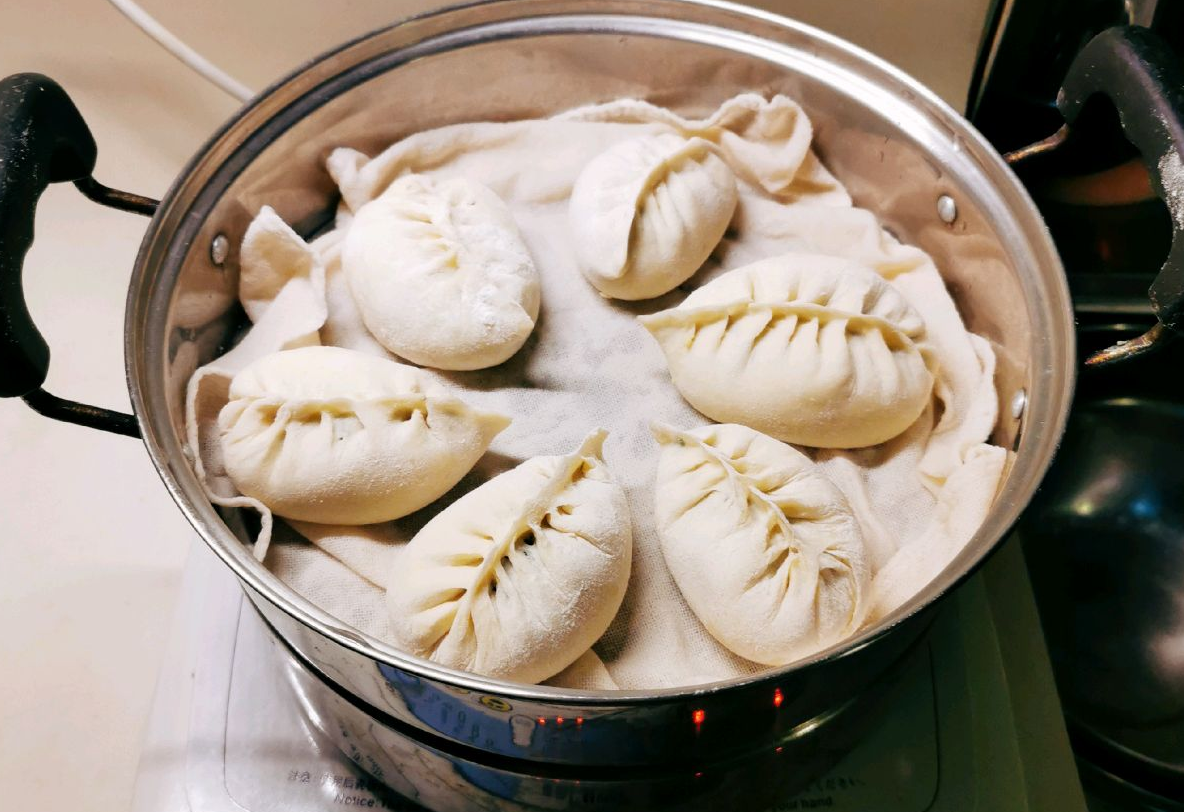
(183, 52)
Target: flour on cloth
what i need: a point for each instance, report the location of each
(918, 498)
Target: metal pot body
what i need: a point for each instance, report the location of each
(440, 775)
(524, 724)
(898, 149)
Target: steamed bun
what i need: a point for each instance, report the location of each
(440, 273)
(764, 548)
(646, 213)
(814, 350)
(334, 436)
(517, 578)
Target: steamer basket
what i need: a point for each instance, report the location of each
(897, 148)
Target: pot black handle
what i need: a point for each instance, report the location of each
(1144, 79)
(43, 140)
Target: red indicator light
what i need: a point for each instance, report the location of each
(542, 721)
(579, 720)
(558, 720)
(779, 749)
(698, 716)
(698, 775)
(777, 698)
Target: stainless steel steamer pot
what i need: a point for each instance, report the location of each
(904, 154)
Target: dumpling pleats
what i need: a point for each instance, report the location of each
(519, 577)
(440, 273)
(764, 548)
(334, 436)
(646, 213)
(810, 349)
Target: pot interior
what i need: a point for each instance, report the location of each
(895, 146)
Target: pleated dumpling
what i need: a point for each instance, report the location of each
(334, 436)
(440, 273)
(764, 548)
(519, 577)
(811, 349)
(646, 213)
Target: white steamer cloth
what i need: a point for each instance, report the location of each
(589, 364)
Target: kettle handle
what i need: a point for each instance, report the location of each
(43, 140)
(1144, 79)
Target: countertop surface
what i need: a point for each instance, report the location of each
(92, 546)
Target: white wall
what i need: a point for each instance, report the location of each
(256, 40)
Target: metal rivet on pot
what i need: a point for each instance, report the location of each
(1018, 402)
(219, 249)
(947, 209)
